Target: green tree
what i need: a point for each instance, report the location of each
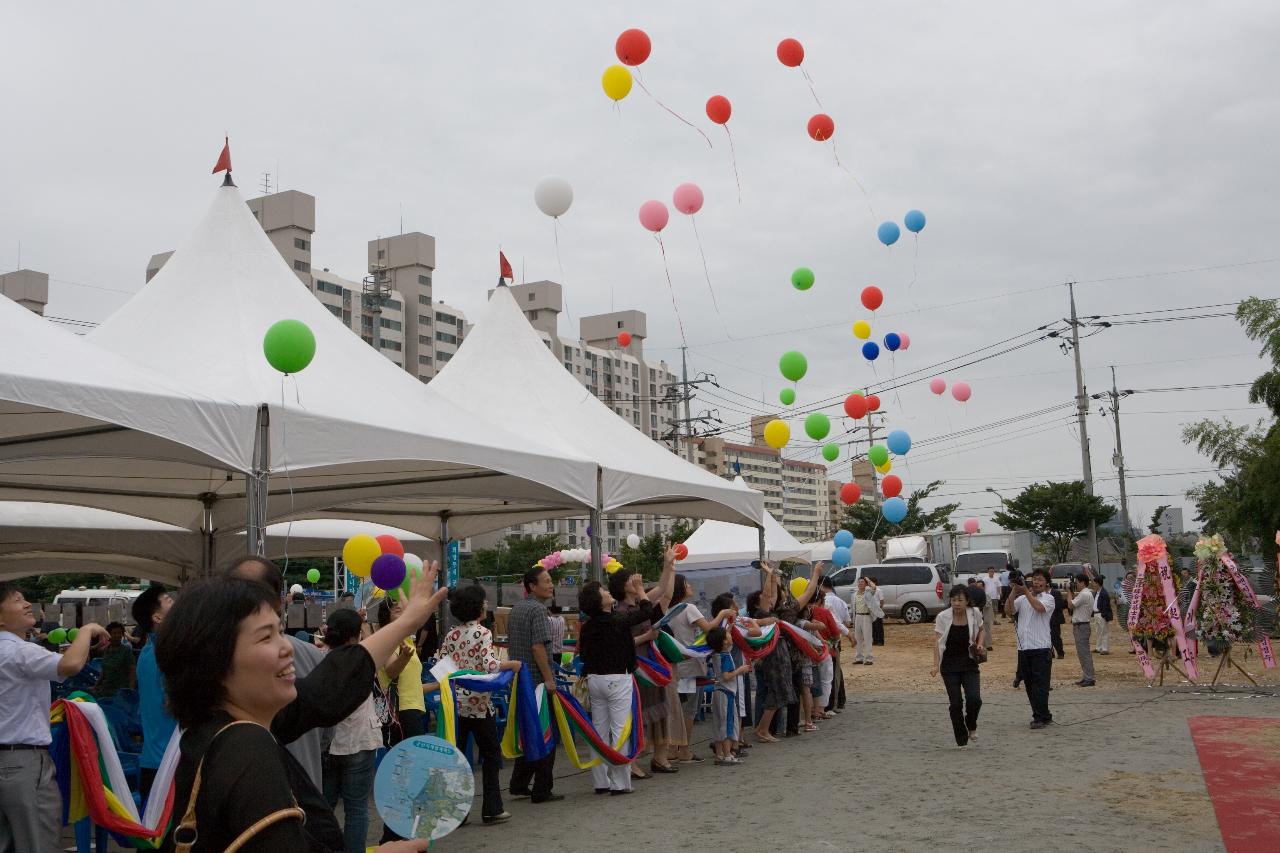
(1154, 526)
(515, 555)
(1058, 512)
(1261, 321)
(864, 520)
(1244, 506)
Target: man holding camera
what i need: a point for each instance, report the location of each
(1081, 607)
(1033, 608)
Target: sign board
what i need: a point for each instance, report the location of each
(451, 561)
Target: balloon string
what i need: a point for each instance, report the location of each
(915, 259)
(555, 227)
(893, 377)
(865, 194)
(733, 157)
(670, 286)
(707, 273)
(812, 90)
(284, 441)
(645, 89)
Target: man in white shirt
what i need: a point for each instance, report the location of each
(1081, 608)
(866, 608)
(844, 619)
(30, 805)
(1033, 607)
(1004, 586)
(991, 586)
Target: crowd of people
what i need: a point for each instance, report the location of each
(277, 731)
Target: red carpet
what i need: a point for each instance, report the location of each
(1240, 758)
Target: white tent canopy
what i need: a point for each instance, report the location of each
(38, 538)
(863, 550)
(350, 429)
(78, 424)
(724, 542)
(504, 366)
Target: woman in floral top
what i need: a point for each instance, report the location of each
(471, 647)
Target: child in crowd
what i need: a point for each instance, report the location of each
(724, 699)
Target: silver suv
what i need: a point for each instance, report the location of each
(914, 591)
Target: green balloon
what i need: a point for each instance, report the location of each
(802, 278)
(787, 396)
(58, 636)
(313, 576)
(817, 425)
(831, 452)
(878, 454)
(72, 634)
(289, 346)
(793, 365)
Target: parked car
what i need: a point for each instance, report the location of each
(1060, 574)
(916, 592)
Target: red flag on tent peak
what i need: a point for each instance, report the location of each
(504, 267)
(224, 159)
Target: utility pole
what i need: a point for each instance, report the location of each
(875, 475)
(1114, 396)
(1082, 416)
(688, 420)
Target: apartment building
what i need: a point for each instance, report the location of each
(28, 288)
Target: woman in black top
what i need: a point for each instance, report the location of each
(608, 653)
(959, 629)
(229, 673)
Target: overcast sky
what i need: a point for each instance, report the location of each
(1100, 142)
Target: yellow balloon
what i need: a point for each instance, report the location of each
(777, 434)
(359, 553)
(862, 330)
(616, 82)
(886, 467)
(798, 586)
(379, 593)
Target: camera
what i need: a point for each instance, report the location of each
(1016, 578)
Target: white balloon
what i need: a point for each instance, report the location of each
(633, 541)
(553, 195)
(295, 589)
(413, 562)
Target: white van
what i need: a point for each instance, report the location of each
(78, 606)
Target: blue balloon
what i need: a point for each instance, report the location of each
(914, 220)
(888, 232)
(871, 350)
(899, 442)
(841, 557)
(894, 510)
(892, 341)
(843, 539)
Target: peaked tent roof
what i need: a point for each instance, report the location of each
(351, 427)
(42, 538)
(720, 541)
(79, 424)
(503, 365)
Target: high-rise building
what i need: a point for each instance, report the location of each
(1171, 523)
(862, 474)
(28, 288)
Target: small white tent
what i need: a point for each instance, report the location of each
(350, 428)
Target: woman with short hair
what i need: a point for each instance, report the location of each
(960, 631)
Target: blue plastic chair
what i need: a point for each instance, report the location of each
(130, 761)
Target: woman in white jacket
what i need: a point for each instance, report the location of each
(959, 629)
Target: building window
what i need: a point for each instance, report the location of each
(394, 304)
(423, 299)
(424, 280)
(382, 253)
(366, 323)
(334, 310)
(346, 318)
(424, 339)
(445, 337)
(619, 324)
(424, 320)
(389, 324)
(328, 287)
(443, 356)
(532, 296)
(424, 359)
(391, 345)
(299, 243)
(302, 266)
(447, 319)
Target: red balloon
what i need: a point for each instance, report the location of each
(855, 406)
(624, 339)
(873, 403)
(633, 47)
(822, 127)
(390, 544)
(719, 109)
(891, 485)
(790, 53)
(850, 493)
(681, 551)
(872, 297)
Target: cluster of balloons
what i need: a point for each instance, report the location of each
(632, 48)
(961, 391)
(857, 405)
(289, 346)
(888, 232)
(382, 560)
(841, 556)
(687, 199)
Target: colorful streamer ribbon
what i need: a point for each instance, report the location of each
(810, 645)
(755, 648)
(654, 670)
(573, 720)
(528, 732)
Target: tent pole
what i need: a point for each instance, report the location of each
(256, 486)
(763, 552)
(446, 618)
(207, 544)
(596, 519)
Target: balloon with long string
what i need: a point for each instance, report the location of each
(654, 217)
(822, 128)
(633, 48)
(791, 54)
(553, 195)
(688, 199)
(719, 110)
(289, 346)
(914, 220)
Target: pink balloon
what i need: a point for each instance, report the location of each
(687, 199)
(961, 391)
(654, 215)
(906, 340)
(936, 385)
(971, 526)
